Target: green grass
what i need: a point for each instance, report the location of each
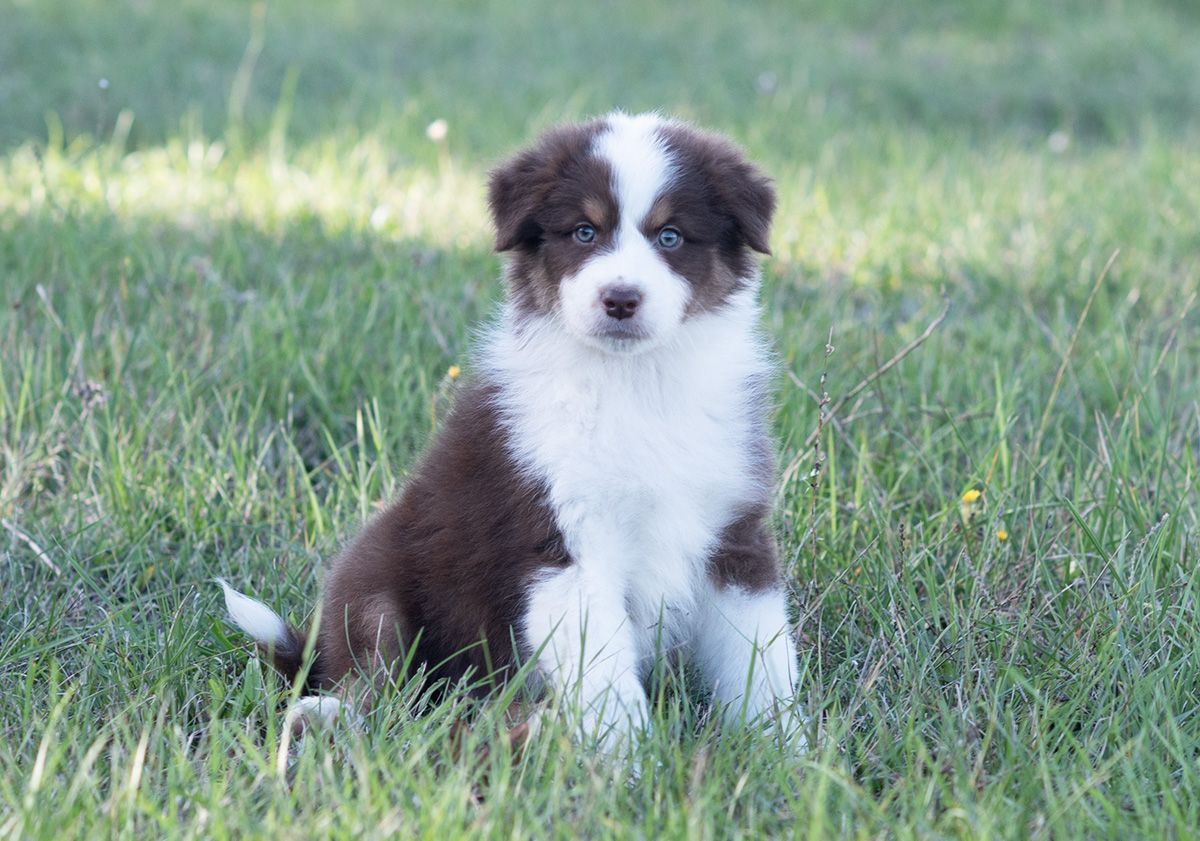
(233, 281)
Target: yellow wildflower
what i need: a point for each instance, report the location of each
(1001, 535)
(453, 372)
(966, 505)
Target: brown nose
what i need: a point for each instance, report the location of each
(620, 302)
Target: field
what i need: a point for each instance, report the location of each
(235, 273)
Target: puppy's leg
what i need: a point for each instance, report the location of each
(742, 640)
(744, 646)
(578, 626)
(358, 639)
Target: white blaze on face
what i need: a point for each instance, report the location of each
(642, 169)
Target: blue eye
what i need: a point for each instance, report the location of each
(585, 233)
(669, 238)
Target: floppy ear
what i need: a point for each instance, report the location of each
(749, 197)
(513, 197)
(739, 190)
(518, 188)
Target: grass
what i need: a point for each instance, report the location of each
(234, 280)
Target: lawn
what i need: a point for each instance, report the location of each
(235, 272)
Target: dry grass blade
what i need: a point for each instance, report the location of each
(790, 471)
(41, 554)
(1066, 359)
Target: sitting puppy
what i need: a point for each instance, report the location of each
(600, 493)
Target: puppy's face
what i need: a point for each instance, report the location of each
(625, 227)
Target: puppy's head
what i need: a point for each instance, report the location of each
(627, 226)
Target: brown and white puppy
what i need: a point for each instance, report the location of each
(600, 492)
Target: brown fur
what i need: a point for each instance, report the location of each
(722, 205)
(445, 569)
(537, 199)
(747, 556)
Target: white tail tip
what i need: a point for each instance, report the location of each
(254, 617)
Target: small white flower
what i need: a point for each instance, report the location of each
(436, 131)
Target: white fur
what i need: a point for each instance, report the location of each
(321, 712)
(642, 168)
(639, 158)
(253, 617)
(646, 458)
(744, 645)
(590, 651)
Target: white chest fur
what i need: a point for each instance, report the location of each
(646, 458)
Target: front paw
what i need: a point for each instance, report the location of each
(615, 721)
(320, 713)
(791, 728)
(784, 723)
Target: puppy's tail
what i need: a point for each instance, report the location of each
(282, 644)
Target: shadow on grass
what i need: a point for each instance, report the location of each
(313, 321)
(169, 393)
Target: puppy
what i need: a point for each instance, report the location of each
(600, 493)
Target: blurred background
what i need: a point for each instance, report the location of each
(783, 75)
